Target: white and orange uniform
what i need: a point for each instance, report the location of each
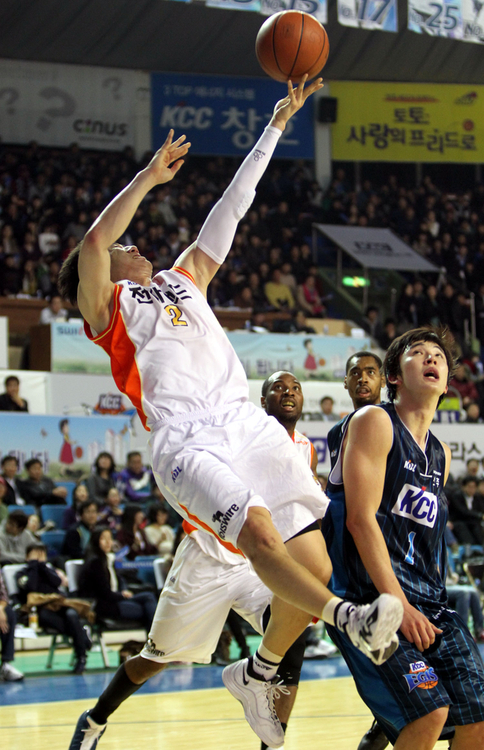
(205, 581)
(214, 454)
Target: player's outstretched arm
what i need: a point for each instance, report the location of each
(205, 257)
(96, 288)
(294, 101)
(369, 441)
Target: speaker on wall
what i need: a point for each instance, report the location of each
(327, 109)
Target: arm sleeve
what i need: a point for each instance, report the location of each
(218, 230)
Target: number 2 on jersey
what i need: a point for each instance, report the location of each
(176, 316)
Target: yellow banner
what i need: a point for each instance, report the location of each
(416, 122)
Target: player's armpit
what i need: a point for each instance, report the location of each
(199, 265)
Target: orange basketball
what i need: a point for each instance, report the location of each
(290, 44)
(78, 451)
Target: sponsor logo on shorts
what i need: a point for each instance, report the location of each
(224, 519)
(175, 473)
(150, 647)
(420, 676)
(417, 504)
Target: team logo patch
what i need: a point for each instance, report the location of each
(420, 676)
(150, 647)
(224, 519)
(417, 504)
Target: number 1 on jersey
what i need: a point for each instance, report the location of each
(410, 556)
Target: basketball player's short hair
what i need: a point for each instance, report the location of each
(268, 381)
(68, 280)
(439, 337)
(358, 355)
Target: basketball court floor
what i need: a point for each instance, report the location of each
(184, 708)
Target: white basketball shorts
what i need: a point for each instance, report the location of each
(198, 593)
(213, 468)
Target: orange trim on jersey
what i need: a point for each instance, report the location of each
(118, 346)
(188, 528)
(184, 272)
(87, 328)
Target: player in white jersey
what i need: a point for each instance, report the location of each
(219, 461)
(206, 579)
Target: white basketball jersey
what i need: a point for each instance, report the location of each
(214, 547)
(304, 446)
(169, 354)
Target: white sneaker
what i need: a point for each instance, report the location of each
(87, 733)
(372, 628)
(257, 699)
(320, 650)
(9, 673)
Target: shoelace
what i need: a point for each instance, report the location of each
(275, 690)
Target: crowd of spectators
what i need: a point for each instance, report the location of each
(49, 197)
(115, 516)
(465, 495)
(124, 501)
(445, 228)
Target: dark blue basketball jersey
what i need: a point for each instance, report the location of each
(335, 438)
(412, 516)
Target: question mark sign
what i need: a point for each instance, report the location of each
(66, 107)
(114, 84)
(11, 96)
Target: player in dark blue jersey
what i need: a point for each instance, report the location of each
(384, 530)
(363, 381)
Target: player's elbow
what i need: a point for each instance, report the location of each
(356, 525)
(92, 242)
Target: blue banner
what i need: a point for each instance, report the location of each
(376, 15)
(224, 116)
(317, 8)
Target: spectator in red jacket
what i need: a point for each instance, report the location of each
(464, 385)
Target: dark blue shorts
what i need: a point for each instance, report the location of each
(411, 684)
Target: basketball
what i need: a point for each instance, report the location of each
(290, 44)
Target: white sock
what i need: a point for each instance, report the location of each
(328, 614)
(265, 663)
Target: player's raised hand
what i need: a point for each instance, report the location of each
(168, 159)
(295, 99)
